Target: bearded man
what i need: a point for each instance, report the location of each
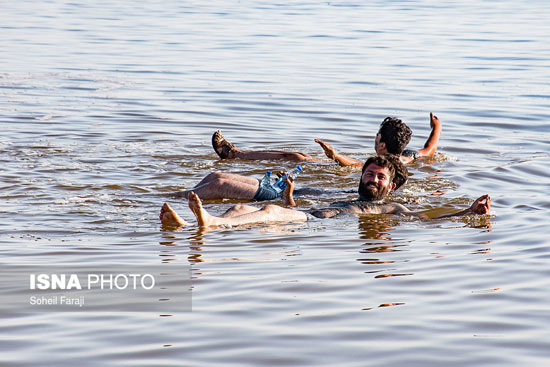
(380, 176)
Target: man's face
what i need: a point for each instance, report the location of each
(379, 147)
(375, 183)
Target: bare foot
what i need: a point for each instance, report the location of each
(203, 218)
(222, 147)
(169, 217)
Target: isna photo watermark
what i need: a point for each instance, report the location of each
(163, 288)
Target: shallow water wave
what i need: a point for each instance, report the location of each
(108, 109)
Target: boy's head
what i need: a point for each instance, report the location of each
(392, 137)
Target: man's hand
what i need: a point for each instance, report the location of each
(280, 174)
(287, 193)
(329, 151)
(481, 205)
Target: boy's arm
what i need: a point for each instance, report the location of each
(338, 158)
(431, 144)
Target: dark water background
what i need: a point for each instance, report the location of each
(108, 107)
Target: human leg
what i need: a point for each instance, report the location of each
(169, 217)
(220, 185)
(269, 213)
(239, 209)
(226, 150)
(273, 155)
(229, 176)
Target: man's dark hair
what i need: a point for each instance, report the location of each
(395, 134)
(398, 171)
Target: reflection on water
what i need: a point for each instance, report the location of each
(376, 227)
(108, 110)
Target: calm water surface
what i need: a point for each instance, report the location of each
(107, 108)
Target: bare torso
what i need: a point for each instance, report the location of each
(356, 207)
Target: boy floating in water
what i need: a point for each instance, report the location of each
(392, 137)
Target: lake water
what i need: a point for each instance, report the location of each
(107, 108)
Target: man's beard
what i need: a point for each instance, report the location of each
(372, 193)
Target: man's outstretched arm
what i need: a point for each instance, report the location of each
(431, 144)
(481, 205)
(337, 157)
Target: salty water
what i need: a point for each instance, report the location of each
(107, 109)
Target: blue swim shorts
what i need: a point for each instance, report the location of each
(265, 193)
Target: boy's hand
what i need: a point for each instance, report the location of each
(482, 205)
(434, 120)
(329, 151)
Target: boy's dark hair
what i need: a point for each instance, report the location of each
(398, 171)
(396, 134)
